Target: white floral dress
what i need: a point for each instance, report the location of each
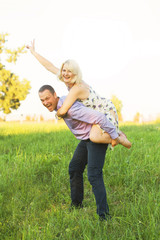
(102, 105)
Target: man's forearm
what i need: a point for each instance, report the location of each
(90, 116)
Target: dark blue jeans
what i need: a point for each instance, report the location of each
(92, 155)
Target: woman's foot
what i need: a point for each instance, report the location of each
(122, 139)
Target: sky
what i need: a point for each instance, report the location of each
(116, 44)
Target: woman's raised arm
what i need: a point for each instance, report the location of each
(47, 64)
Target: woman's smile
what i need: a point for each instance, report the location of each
(67, 74)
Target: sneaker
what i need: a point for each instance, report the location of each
(75, 206)
(106, 217)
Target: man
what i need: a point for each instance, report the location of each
(80, 119)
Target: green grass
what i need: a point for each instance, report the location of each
(35, 194)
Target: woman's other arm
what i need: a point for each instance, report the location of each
(76, 92)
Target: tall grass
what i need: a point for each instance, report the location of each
(35, 194)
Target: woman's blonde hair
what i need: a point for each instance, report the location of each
(74, 68)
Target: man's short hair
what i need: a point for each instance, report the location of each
(47, 87)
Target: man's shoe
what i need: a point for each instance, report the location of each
(107, 218)
(75, 206)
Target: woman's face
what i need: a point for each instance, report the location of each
(67, 74)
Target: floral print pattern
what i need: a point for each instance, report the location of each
(102, 105)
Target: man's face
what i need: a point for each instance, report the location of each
(48, 99)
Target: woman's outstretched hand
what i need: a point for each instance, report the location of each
(32, 46)
(47, 64)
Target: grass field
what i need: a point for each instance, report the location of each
(35, 194)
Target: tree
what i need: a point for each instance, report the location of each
(118, 104)
(12, 90)
(136, 118)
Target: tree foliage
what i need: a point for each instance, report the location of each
(136, 118)
(12, 90)
(118, 104)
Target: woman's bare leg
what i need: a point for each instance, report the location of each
(97, 135)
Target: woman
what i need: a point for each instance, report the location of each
(70, 74)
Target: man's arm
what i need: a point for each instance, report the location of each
(85, 114)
